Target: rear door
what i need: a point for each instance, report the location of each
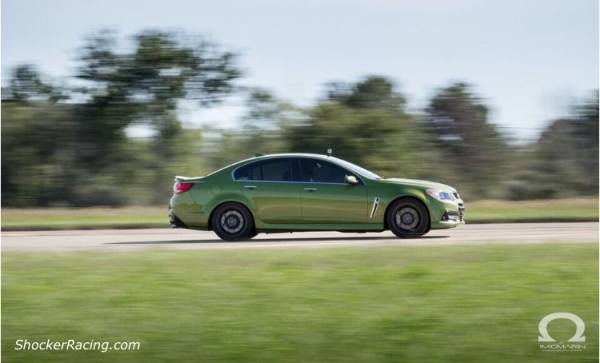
(270, 187)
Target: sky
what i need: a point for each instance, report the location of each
(529, 60)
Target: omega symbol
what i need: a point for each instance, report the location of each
(543, 327)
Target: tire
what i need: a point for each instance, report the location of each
(233, 221)
(427, 230)
(408, 218)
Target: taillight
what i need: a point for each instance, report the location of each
(181, 187)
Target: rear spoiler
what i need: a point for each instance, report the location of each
(188, 178)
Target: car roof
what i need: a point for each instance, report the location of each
(288, 155)
(258, 157)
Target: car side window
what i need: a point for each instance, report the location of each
(265, 170)
(320, 171)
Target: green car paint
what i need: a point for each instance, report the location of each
(310, 192)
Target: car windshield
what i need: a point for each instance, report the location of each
(358, 169)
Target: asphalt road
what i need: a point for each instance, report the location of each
(127, 240)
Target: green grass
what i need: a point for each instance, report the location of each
(84, 218)
(563, 210)
(556, 210)
(388, 304)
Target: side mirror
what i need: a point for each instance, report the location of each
(350, 179)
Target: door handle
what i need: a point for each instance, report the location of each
(310, 189)
(250, 186)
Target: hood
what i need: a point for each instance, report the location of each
(418, 183)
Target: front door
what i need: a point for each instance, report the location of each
(326, 197)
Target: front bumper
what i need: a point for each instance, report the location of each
(453, 216)
(448, 214)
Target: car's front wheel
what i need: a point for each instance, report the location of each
(233, 221)
(408, 218)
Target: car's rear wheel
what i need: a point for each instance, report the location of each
(408, 218)
(233, 221)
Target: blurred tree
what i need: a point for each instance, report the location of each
(164, 69)
(563, 162)
(146, 86)
(31, 163)
(472, 145)
(44, 160)
(365, 137)
(260, 131)
(263, 110)
(566, 157)
(587, 141)
(365, 123)
(261, 123)
(26, 85)
(77, 152)
(373, 92)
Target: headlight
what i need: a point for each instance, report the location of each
(439, 194)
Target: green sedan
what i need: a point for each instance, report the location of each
(309, 192)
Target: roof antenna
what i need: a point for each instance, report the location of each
(329, 152)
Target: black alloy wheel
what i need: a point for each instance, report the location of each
(233, 221)
(408, 218)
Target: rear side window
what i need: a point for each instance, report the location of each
(266, 170)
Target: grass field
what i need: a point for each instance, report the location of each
(85, 218)
(388, 304)
(556, 210)
(565, 210)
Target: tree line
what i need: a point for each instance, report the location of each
(65, 144)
